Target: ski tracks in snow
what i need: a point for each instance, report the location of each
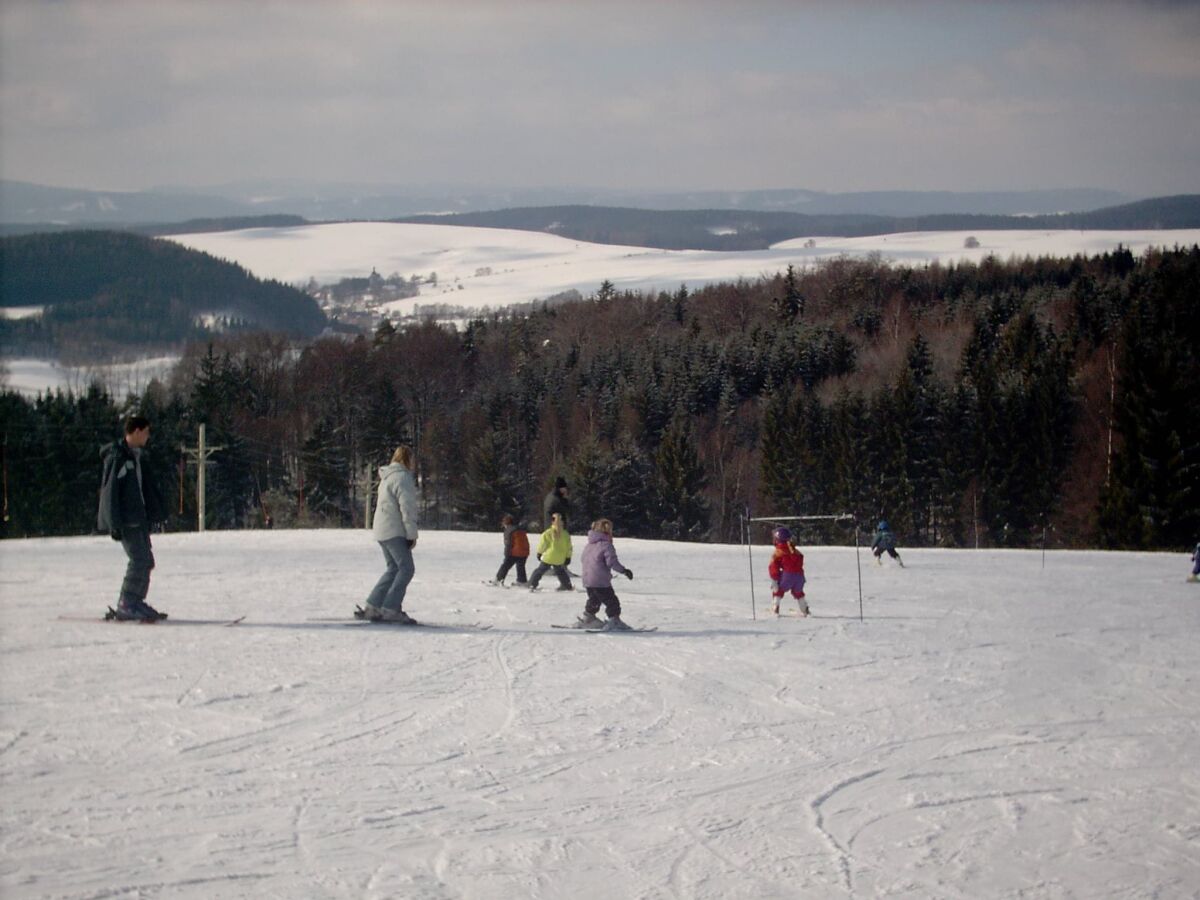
(509, 684)
(987, 731)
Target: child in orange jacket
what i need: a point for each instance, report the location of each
(787, 570)
(516, 550)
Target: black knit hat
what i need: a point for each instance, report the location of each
(560, 482)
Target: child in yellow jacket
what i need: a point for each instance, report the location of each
(553, 552)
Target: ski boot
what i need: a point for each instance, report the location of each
(589, 622)
(614, 623)
(396, 617)
(134, 611)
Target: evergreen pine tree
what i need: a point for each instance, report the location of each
(682, 508)
(218, 393)
(850, 488)
(679, 304)
(780, 474)
(789, 307)
(915, 406)
(385, 331)
(1152, 498)
(589, 471)
(630, 471)
(496, 480)
(327, 475)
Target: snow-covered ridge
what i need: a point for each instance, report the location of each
(529, 265)
(20, 312)
(30, 376)
(995, 728)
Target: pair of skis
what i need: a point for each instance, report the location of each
(525, 586)
(360, 618)
(110, 618)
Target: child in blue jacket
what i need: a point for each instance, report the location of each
(885, 541)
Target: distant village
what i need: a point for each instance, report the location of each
(355, 303)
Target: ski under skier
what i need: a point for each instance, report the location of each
(787, 570)
(395, 528)
(130, 505)
(885, 541)
(599, 562)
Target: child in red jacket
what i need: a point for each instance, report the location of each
(787, 570)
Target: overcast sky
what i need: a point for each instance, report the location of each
(575, 93)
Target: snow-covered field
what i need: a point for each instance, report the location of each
(492, 267)
(995, 728)
(30, 376)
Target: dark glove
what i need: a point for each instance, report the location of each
(539, 556)
(568, 562)
(412, 543)
(629, 574)
(115, 534)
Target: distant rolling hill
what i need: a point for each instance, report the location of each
(23, 204)
(731, 230)
(106, 290)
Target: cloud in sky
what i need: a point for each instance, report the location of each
(671, 95)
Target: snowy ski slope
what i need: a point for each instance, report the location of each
(993, 729)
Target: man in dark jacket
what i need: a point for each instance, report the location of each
(129, 505)
(557, 501)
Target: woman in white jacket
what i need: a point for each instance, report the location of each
(395, 527)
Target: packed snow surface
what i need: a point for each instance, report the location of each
(998, 726)
(495, 267)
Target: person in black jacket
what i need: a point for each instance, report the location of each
(557, 501)
(130, 504)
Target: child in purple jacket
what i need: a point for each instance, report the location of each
(599, 562)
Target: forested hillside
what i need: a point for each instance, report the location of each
(105, 291)
(729, 230)
(988, 404)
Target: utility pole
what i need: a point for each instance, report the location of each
(200, 455)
